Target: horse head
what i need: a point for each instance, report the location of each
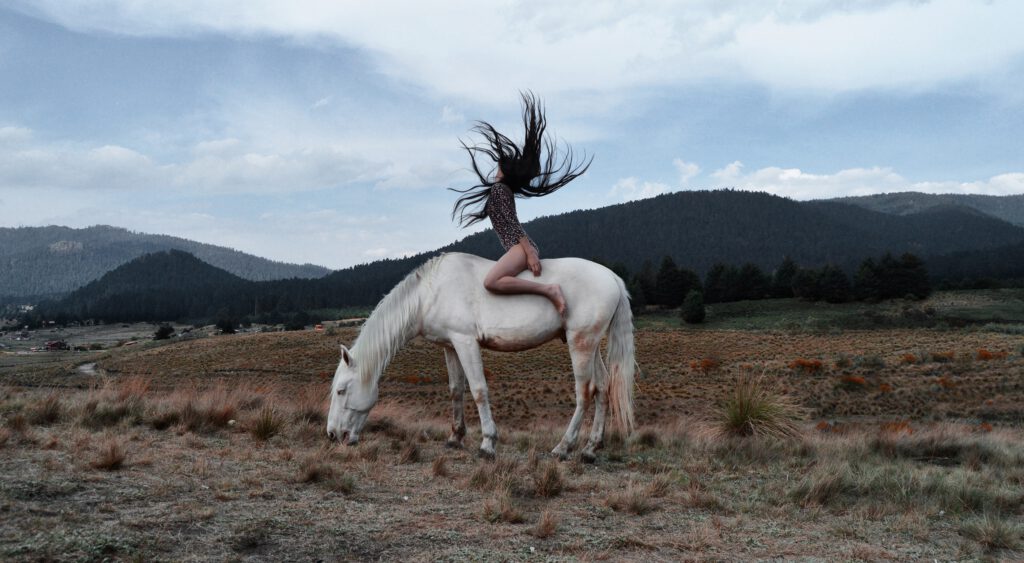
(351, 400)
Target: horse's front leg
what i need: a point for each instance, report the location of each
(468, 351)
(457, 387)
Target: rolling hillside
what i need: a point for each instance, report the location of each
(42, 261)
(1009, 208)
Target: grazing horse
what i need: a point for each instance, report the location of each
(444, 301)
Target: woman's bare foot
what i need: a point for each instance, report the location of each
(556, 297)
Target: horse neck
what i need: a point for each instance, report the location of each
(394, 321)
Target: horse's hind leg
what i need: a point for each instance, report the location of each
(589, 453)
(581, 349)
(472, 366)
(457, 387)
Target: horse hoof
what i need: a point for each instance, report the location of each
(588, 457)
(454, 445)
(562, 456)
(484, 454)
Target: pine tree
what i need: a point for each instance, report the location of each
(693, 307)
(782, 278)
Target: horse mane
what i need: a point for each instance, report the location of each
(394, 321)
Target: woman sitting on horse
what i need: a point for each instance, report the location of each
(519, 171)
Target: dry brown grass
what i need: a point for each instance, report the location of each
(266, 424)
(755, 408)
(111, 456)
(548, 481)
(634, 499)
(439, 468)
(500, 508)
(49, 410)
(546, 526)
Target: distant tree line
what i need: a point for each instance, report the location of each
(886, 277)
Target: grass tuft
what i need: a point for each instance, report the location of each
(50, 410)
(440, 466)
(993, 532)
(634, 499)
(547, 480)
(266, 424)
(755, 409)
(316, 469)
(546, 526)
(111, 457)
(410, 453)
(500, 508)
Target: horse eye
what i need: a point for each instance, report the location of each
(341, 391)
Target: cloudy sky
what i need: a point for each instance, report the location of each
(327, 131)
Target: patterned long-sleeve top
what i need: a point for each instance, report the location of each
(501, 208)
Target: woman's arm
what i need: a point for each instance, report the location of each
(532, 259)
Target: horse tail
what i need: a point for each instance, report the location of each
(621, 363)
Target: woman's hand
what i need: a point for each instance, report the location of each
(532, 259)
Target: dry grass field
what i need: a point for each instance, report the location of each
(909, 448)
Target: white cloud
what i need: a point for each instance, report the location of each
(629, 189)
(322, 102)
(687, 171)
(483, 51)
(797, 184)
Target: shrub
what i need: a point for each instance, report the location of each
(163, 332)
(693, 307)
(705, 365)
(755, 409)
(908, 358)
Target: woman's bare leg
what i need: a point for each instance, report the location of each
(502, 279)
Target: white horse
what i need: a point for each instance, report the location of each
(445, 301)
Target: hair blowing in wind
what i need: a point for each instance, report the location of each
(532, 169)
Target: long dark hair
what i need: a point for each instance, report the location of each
(529, 171)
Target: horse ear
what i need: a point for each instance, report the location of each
(346, 356)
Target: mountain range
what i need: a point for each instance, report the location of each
(49, 261)
(696, 229)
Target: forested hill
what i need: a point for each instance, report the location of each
(1009, 208)
(698, 229)
(53, 260)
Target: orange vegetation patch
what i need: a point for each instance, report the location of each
(946, 382)
(807, 366)
(908, 359)
(885, 388)
(985, 427)
(705, 365)
(897, 427)
(943, 357)
(985, 354)
(854, 381)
